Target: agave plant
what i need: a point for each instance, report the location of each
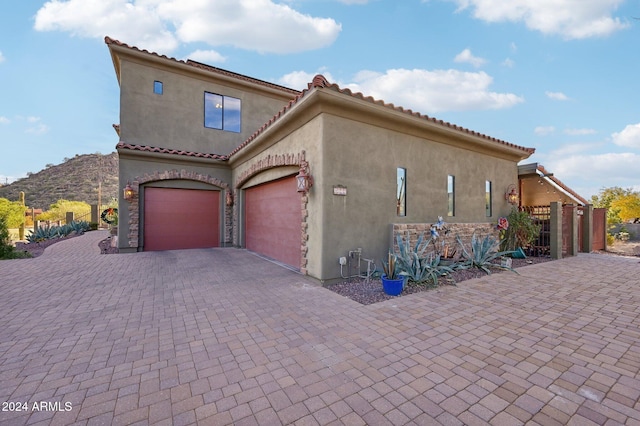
(80, 226)
(415, 264)
(483, 252)
(389, 268)
(42, 233)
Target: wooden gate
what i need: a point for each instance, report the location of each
(599, 229)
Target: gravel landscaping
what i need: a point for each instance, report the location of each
(370, 292)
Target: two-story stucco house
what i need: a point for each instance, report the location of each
(212, 158)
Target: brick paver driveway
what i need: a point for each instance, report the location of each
(222, 337)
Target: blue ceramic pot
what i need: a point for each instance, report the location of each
(392, 287)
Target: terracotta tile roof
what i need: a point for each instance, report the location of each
(109, 41)
(145, 148)
(558, 182)
(320, 82)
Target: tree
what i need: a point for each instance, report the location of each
(622, 204)
(59, 209)
(627, 206)
(12, 212)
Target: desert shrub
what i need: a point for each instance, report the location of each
(7, 251)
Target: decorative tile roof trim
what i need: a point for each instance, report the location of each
(109, 41)
(545, 174)
(320, 82)
(145, 148)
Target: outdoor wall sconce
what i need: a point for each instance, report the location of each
(511, 195)
(304, 179)
(128, 192)
(229, 199)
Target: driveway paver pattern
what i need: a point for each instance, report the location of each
(220, 336)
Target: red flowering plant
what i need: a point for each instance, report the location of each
(502, 226)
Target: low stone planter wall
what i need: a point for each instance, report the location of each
(463, 230)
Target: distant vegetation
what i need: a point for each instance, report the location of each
(623, 204)
(76, 179)
(59, 209)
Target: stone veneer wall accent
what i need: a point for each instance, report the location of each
(270, 162)
(134, 205)
(464, 230)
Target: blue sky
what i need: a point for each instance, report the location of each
(561, 76)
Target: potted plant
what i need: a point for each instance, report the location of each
(392, 281)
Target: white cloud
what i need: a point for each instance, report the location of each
(433, 91)
(467, 57)
(38, 129)
(608, 168)
(259, 25)
(509, 63)
(2, 58)
(571, 19)
(4, 120)
(579, 132)
(556, 96)
(629, 136)
(300, 79)
(206, 56)
(544, 130)
(160, 25)
(567, 150)
(354, 1)
(134, 23)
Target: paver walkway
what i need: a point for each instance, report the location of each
(219, 336)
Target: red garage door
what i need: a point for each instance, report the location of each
(273, 221)
(180, 219)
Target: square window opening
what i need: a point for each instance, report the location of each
(158, 87)
(222, 112)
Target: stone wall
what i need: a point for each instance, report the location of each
(463, 230)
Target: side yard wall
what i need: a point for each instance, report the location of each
(464, 230)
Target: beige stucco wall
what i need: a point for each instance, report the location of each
(364, 158)
(175, 119)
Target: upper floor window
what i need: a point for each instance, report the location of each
(488, 198)
(157, 87)
(221, 112)
(451, 195)
(401, 191)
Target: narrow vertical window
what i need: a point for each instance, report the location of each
(157, 87)
(488, 198)
(451, 195)
(401, 191)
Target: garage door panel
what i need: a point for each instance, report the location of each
(273, 221)
(180, 219)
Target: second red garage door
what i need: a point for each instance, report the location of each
(273, 221)
(181, 219)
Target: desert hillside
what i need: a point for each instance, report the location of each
(76, 179)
